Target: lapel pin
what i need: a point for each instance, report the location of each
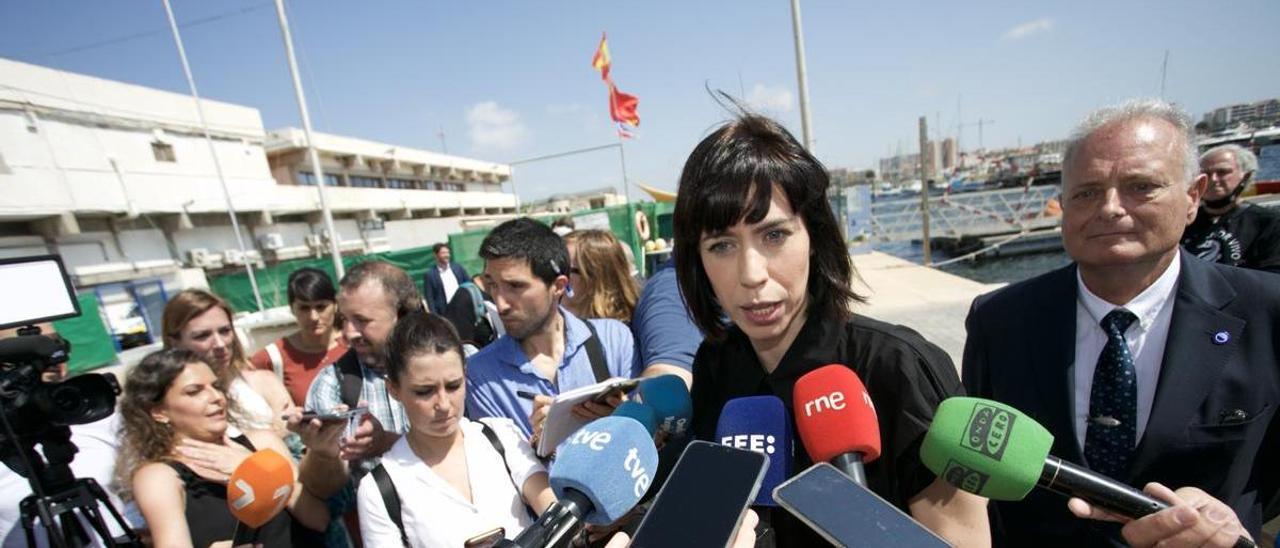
(1221, 337)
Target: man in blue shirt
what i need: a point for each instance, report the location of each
(666, 338)
(546, 349)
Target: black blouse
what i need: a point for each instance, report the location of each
(905, 375)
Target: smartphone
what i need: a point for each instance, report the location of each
(848, 514)
(334, 417)
(487, 539)
(616, 390)
(703, 500)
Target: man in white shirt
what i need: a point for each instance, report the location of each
(441, 280)
(1147, 364)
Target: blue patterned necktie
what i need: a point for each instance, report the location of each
(1113, 402)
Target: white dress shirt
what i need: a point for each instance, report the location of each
(1146, 338)
(434, 513)
(449, 281)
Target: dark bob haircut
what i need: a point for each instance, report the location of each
(527, 239)
(312, 285)
(730, 177)
(419, 333)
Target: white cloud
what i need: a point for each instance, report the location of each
(1030, 28)
(494, 127)
(774, 99)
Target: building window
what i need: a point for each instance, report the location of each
(163, 152)
(400, 183)
(308, 178)
(365, 182)
(454, 187)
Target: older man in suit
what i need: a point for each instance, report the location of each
(1147, 364)
(442, 279)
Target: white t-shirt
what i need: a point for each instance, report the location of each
(433, 512)
(97, 442)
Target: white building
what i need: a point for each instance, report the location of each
(109, 173)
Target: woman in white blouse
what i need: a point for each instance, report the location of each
(451, 481)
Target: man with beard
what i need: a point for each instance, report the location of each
(1226, 230)
(372, 297)
(547, 350)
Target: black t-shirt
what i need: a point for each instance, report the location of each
(905, 375)
(1248, 236)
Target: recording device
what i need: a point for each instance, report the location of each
(258, 491)
(333, 416)
(640, 413)
(618, 389)
(37, 407)
(600, 472)
(668, 395)
(703, 501)
(487, 539)
(837, 420)
(760, 424)
(847, 513)
(993, 450)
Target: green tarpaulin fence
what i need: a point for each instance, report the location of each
(272, 280)
(91, 345)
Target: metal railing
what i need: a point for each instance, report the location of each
(966, 214)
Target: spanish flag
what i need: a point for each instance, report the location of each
(601, 60)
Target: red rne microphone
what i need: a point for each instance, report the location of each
(837, 420)
(257, 491)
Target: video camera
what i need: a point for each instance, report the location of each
(37, 406)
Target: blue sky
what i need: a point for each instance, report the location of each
(507, 80)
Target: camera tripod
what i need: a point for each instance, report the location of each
(61, 502)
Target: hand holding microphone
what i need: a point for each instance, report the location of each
(993, 450)
(1194, 519)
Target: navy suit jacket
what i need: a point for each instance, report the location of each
(434, 288)
(1213, 423)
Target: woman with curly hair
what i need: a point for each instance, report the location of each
(172, 396)
(600, 277)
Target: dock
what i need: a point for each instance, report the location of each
(928, 300)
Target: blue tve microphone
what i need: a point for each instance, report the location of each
(760, 424)
(640, 412)
(669, 398)
(599, 474)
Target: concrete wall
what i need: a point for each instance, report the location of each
(421, 232)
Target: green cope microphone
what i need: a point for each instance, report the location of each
(993, 450)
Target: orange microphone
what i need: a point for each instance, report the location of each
(257, 491)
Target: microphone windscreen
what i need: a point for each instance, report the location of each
(611, 460)
(260, 487)
(760, 424)
(640, 412)
(669, 397)
(986, 447)
(834, 414)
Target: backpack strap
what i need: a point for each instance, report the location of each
(277, 360)
(502, 453)
(350, 378)
(595, 353)
(390, 499)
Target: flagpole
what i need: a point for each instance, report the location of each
(336, 253)
(801, 76)
(217, 165)
(622, 157)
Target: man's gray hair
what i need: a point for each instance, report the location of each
(1246, 162)
(1137, 109)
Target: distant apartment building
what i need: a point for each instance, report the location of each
(904, 167)
(118, 179)
(1256, 115)
(576, 201)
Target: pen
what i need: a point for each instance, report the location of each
(526, 395)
